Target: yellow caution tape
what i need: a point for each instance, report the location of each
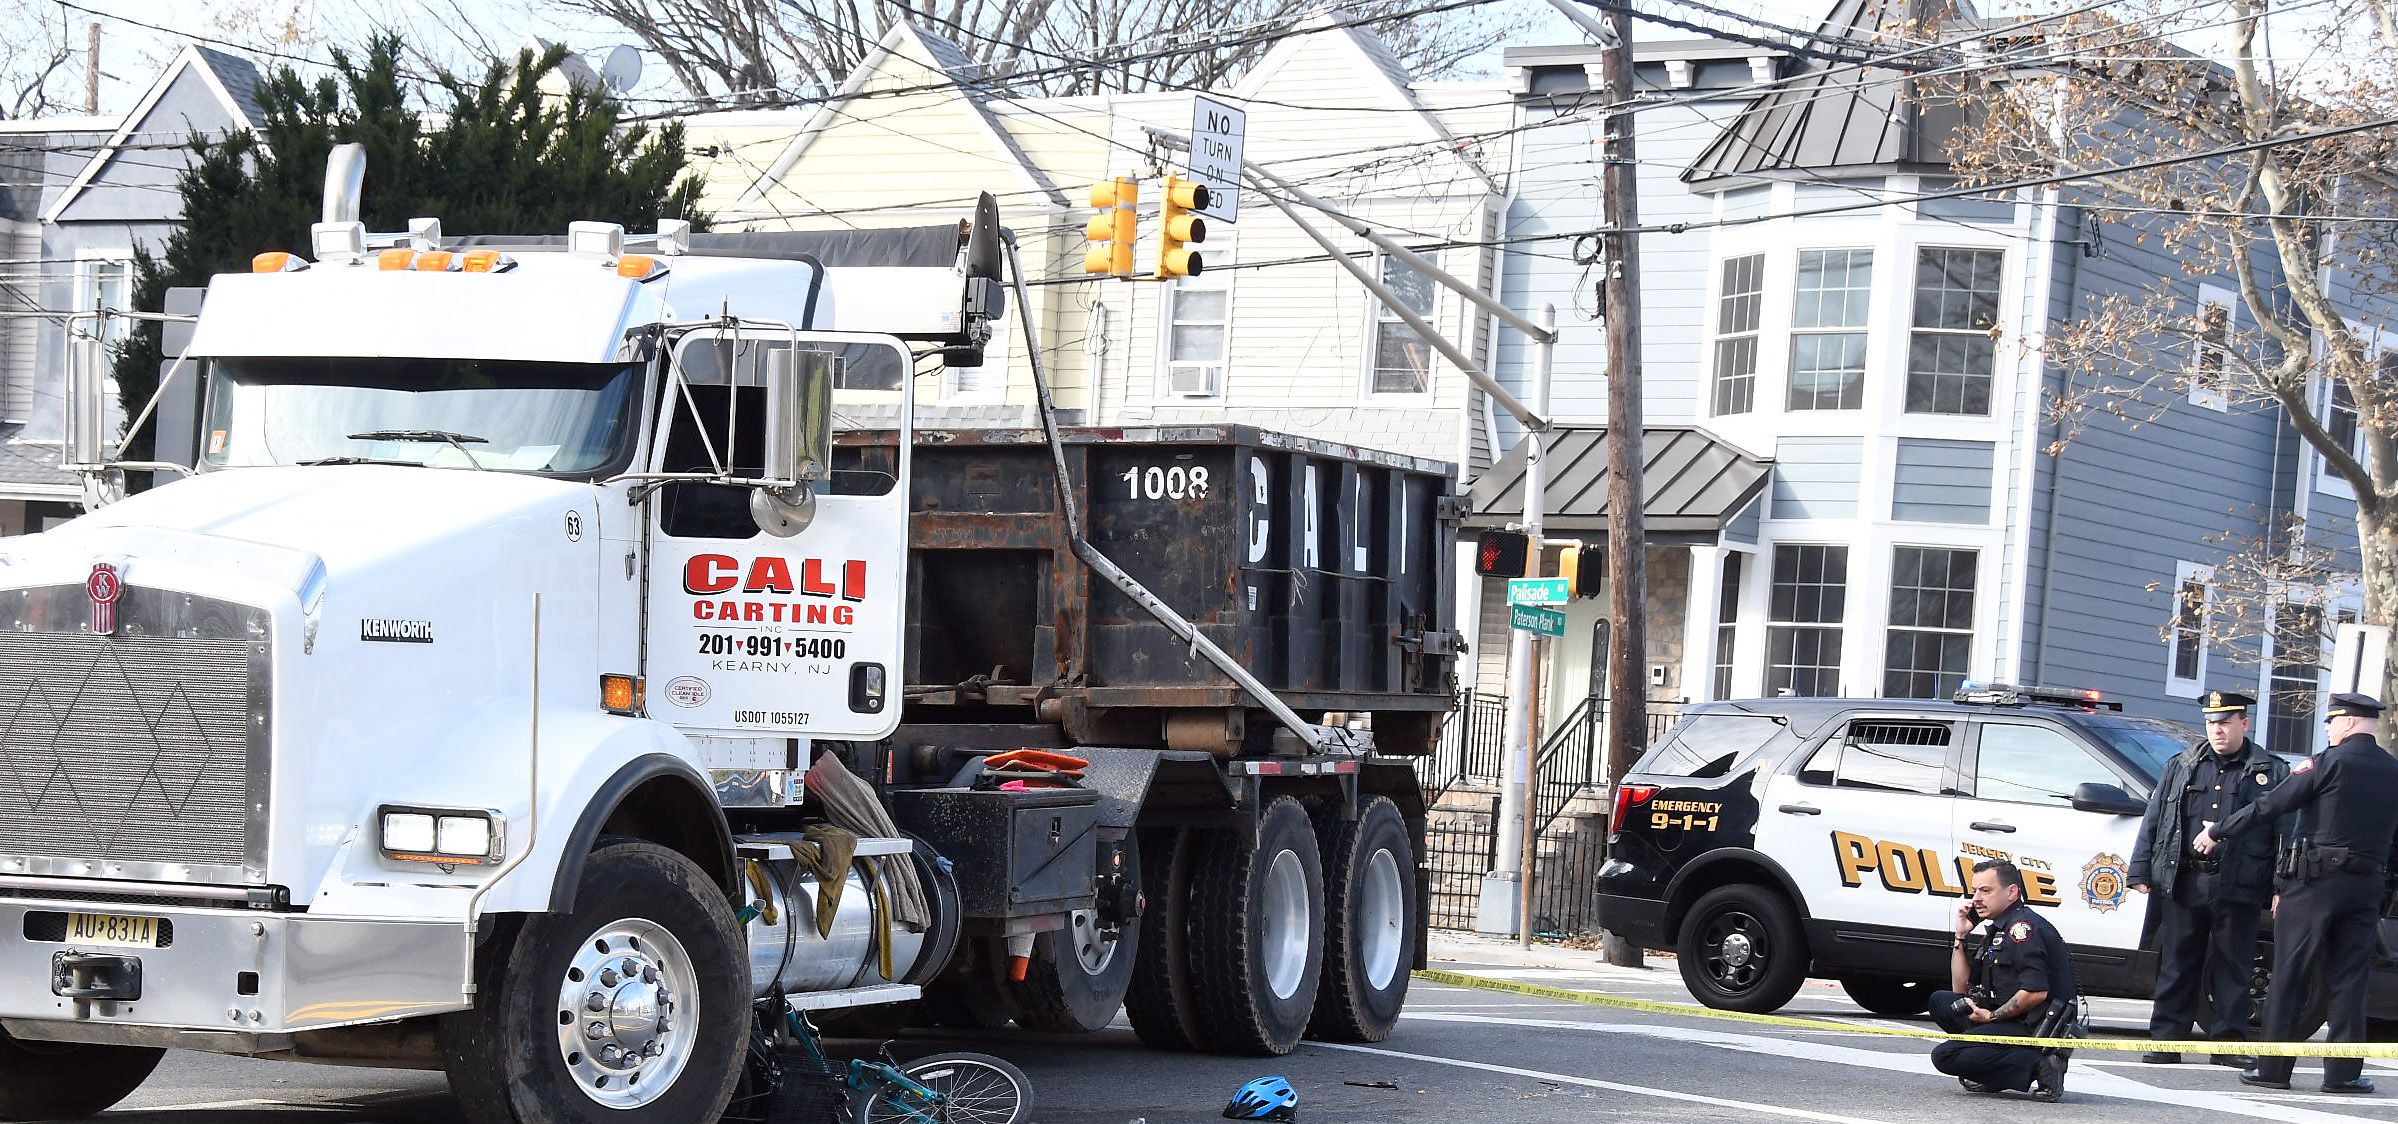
(1692, 1011)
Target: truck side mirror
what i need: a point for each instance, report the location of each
(2106, 799)
(799, 438)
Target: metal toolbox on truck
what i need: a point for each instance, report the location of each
(1018, 854)
(1325, 569)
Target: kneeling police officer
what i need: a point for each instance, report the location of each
(2021, 972)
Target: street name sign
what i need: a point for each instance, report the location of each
(1547, 622)
(1537, 591)
(1216, 131)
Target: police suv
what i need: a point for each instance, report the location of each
(1768, 840)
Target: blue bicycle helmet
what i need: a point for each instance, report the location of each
(1267, 1098)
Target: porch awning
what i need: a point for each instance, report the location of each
(1697, 484)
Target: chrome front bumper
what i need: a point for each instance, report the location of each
(242, 976)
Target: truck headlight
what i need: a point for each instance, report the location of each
(449, 836)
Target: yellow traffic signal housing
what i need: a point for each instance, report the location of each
(1178, 229)
(1581, 567)
(1116, 230)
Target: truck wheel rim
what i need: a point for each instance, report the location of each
(1381, 919)
(1092, 949)
(628, 1013)
(1287, 935)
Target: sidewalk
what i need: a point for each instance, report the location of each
(1449, 946)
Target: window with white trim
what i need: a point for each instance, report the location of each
(1727, 622)
(2338, 413)
(104, 283)
(1736, 317)
(1929, 643)
(2294, 690)
(1827, 329)
(1809, 604)
(1950, 353)
(1400, 358)
(2186, 651)
(2210, 349)
(1198, 347)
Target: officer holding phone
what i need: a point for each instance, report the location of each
(2008, 988)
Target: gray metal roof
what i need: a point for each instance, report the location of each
(1696, 483)
(1838, 116)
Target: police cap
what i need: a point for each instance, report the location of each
(2349, 705)
(2218, 704)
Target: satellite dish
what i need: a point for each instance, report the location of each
(622, 69)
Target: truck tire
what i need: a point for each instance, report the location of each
(1369, 924)
(1741, 949)
(1159, 1002)
(1257, 916)
(68, 1080)
(633, 1008)
(1077, 979)
(1889, 995)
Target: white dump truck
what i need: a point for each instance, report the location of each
(514, 616)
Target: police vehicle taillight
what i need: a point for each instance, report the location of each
(1627, 795)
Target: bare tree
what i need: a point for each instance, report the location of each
(2269, 168)
(735, 52)
(41, 57)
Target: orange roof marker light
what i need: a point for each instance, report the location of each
(397, 257)
(487, 261)
(639, 267)
(278, 261)
(437, 261)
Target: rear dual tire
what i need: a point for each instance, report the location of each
(1257, 914)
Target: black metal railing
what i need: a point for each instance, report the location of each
(1569, 814)
(1473, 744)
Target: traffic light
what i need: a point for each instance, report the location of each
(1582, 567)
(1177, 227)
(1115, 229)
(1503, 554)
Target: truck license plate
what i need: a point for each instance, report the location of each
(112, 929)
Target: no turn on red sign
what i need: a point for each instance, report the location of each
(1216, 131)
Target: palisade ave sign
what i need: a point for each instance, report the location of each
(1216, 131)
(1537, 591)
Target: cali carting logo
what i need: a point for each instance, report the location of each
(2105, 883)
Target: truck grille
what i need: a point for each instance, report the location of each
(139, 755)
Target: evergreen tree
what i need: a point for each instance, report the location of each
(503, 157)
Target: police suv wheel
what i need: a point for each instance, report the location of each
(1741, 949)
(1257, 915)
(1079, 973)
(1889, 995)
(633, 1008)
(1369, 889)
(68, 1080)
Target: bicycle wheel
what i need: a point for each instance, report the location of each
(968, 1088)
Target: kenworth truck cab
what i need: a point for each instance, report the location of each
(480, 695)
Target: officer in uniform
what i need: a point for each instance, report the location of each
(2207, 906)
(2021, 972)
(2333, 879)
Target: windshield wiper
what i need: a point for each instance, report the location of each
(358, 460)
(458, 441)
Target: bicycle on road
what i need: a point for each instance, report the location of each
(790, 1080)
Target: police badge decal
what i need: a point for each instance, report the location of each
(2105, 883)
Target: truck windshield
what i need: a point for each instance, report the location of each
(550, 418)
(2145, 742)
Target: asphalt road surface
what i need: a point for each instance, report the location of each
(1458, 1056)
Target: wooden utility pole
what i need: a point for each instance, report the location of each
(91, 71)
(1627, 530)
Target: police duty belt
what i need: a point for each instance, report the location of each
(1686, 1010)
